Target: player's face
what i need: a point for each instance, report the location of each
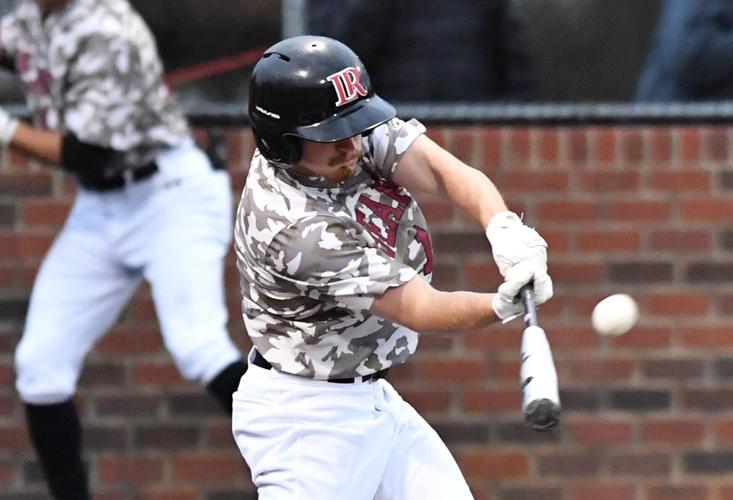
(336, 161)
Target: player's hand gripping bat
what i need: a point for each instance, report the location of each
(538, 378)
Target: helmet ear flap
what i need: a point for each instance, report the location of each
(284, 151)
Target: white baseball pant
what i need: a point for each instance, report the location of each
(172, 229)
(314, 440)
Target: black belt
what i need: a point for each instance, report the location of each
(260, 361)
(119, 180)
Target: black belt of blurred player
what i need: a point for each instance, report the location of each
(260, 361)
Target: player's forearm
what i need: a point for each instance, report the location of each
(42, 144)
(474, 193)
(458, 311)
(420, 307)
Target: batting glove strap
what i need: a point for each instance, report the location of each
(8, 125)
(513, 242)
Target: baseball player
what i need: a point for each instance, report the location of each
(335, 262)
(149, 206)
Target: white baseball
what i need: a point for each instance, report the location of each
(615, 315)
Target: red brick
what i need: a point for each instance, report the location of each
(557, 240)
(455, 369)
(157, 375)
(492, 401)
(535, 182)
(41, 212)
(13, 440)
(634, 210)
(567, 337)
(462, 144)
(678, 304)
(632, 145)
(437, 211)
(569, 465)
(679, 180)
(644, 337)
(621, 241)
(707, 209)
(716, 143)
(33, 247)
(548, 145)
(724, 431)
(689, 144)
(672, 431)
(681, 241)
(608, 181)
(641, 464)
(604, 144)
(578, 272)
(520, 145)
(567, 211)
(125, 342)
(706, 336)
(597, 370)
(678, 492)
(600, 431)
(494, 464)
(491, 147)
(597, 491)
(201, 467)
(179, 492)
(7, 471)
(427, 400)
(577, 145)
(130, 469)
(661, 145)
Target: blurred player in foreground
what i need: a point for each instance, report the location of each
(335, 262)
(149, 206)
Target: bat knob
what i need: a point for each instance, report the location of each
(542, 414)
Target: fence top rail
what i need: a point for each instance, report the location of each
(472, 113)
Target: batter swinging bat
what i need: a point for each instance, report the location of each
(540, 398)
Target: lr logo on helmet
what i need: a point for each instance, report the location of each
(347, 85)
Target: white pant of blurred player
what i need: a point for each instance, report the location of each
(173, 230)
(316, 440)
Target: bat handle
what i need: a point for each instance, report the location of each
(526, 295)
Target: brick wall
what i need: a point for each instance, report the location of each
(648, 416)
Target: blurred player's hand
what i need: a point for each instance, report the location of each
(8, 124)
(506, 303)
(512, 242)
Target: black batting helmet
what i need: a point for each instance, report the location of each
(314, 88)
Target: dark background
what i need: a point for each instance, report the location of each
(584, 50)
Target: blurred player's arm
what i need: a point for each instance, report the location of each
(43, 144)
(429, 169)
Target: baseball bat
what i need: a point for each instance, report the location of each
(538, 378)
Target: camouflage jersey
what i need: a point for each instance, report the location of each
(313, 257)
(92, 68)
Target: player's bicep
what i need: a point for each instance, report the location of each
(406, 304)
(414, 170)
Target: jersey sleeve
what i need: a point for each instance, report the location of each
(390, 141)
(330, 259)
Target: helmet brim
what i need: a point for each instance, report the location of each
(357, 119)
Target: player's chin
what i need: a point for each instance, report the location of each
(345, 172)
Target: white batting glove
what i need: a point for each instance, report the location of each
(513, 242)
(8, 124)
(506, 303)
